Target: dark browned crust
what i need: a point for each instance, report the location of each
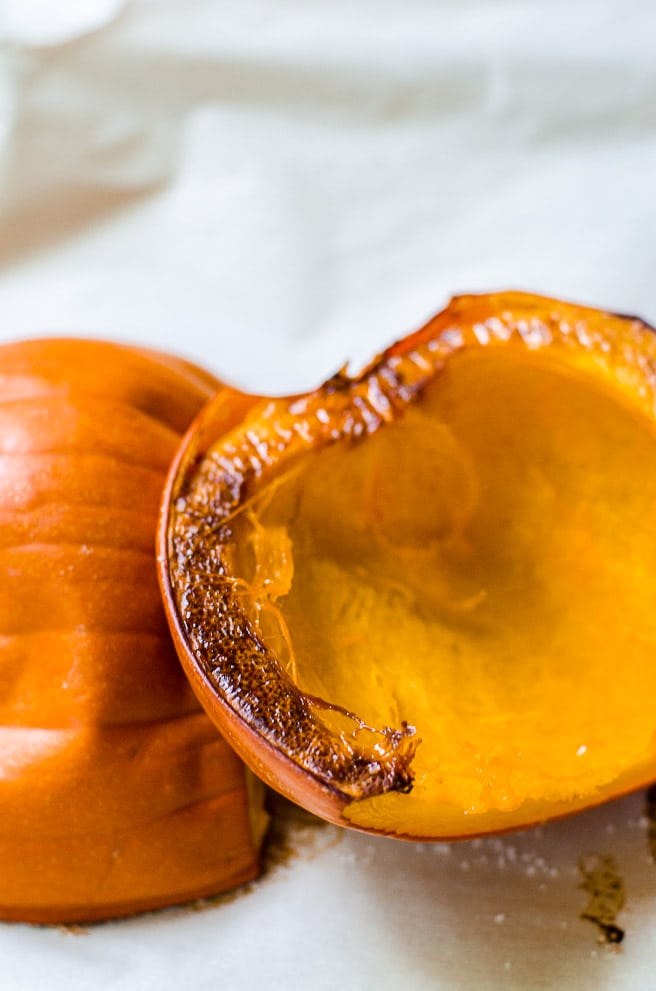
(225, 644)
(214, 485)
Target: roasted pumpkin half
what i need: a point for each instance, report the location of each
(116, 792)
(420, 600)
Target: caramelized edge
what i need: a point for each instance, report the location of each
(219, 473)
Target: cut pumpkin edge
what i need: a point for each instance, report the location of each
(383, 388)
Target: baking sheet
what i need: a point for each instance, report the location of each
(275, 188)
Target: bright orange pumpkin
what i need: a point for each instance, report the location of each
(419, 601)
(116, 792)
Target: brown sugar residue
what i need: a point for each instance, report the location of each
(293, 835)
(605, 889)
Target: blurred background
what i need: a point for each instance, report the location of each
(272, 188)
(275, 187)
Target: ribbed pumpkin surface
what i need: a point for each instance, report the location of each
(116, 792)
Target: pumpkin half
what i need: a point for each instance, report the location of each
(116, 792)
(419, 600)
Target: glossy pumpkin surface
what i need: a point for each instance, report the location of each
(116, 792)
(419, 601)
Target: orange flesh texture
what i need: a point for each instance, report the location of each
(483, 567)
(116, 792)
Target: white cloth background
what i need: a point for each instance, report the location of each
(272, 187)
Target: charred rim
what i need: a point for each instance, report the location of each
(217, 473)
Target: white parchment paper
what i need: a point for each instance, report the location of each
(272, 188)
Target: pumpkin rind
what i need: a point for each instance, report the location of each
(116, 792)
(286, 734)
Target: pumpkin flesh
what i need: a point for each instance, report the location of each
(477, 561)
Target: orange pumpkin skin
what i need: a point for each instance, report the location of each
(116, 792)
(309, 746)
